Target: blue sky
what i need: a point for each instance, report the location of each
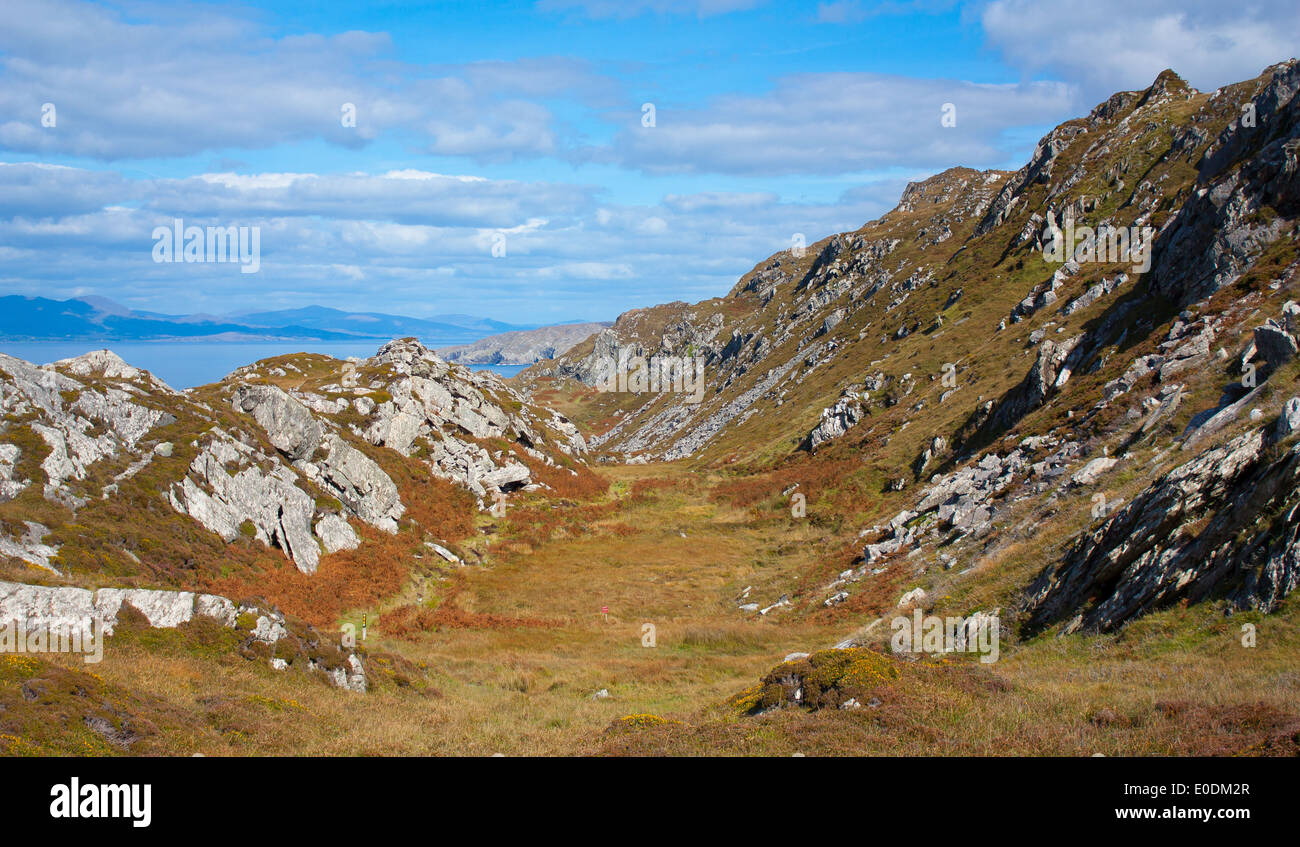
(523, 121)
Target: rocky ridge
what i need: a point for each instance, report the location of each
(282, 452)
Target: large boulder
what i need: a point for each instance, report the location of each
(288, 424)
(358, 482)
(1220, 524)
(336, 534)
(836, 420)
(1274, 344)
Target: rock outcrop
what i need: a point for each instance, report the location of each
(286, 463)
(228, 488)
(836, 420)
(90, 615)
(80, 422)
(443, 413)
(1251, 166)
(1224, 523)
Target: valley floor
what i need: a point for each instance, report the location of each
(523, 662)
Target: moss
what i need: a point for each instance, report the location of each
(643, 721)
(757, 698)
(823, 680)
(326, 503)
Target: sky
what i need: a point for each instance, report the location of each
(533, 162)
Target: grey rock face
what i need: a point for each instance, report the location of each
(99, 363)
(408, 356)
(442, 409)
(287, 423)
(10, 486)
(1051, 369)
(508, 476)
(62, 608)
(836, 420)
(1037, 169)
(336, 534)
(279, 511)
(163, 609)
(1094, 293)
(1291, 318)
(593, 368)
(31, 547)
(961, 503)
(359, 483)
(1275, 345)
(1149, 555)
(1089, 473)
(74, 609)
(95, 423)
(338, 467)
(1289, 421)
(1216, 234)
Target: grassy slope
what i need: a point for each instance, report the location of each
(516, 672)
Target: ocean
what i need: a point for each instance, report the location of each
(187, 364)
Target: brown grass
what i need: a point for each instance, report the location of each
(349, 579)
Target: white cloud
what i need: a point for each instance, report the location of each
(1111, 45)
(364, 242)
(209, 81)
(836, 123)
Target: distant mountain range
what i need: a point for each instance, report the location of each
(101, 319)
(522, 347)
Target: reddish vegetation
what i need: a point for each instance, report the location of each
(643, 489)
(377, 569)
(435, 504)
(533, 526)
(409, 619)
(1243, 729)
(346, 580)
(582, 485)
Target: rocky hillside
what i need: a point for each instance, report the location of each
(110, 477)
(1115, 310)
(1062, 402)
(522, 347)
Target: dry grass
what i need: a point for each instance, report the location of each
(507, 659)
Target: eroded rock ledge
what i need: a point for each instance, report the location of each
(77, 610)
(1223, 524)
